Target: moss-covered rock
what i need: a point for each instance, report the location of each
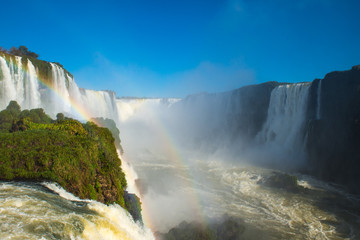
(82, 158)
(133, 205)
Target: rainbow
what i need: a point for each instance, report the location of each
(169, 145)
(173, 154)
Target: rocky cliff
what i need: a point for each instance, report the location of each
(333, 137)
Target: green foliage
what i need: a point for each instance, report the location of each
(43, 69)
(92, 192)
(60, 116)
(36, 115)
(24, 62)
(14, 107)
(8, 57)
(111, 125)
(82, 158)
(70, 126)
(133, 205)
(9, 115)
(12, 118)
(6, 120)
(22, 51)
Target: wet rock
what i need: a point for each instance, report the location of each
(281, 181)
(229, 228)
(333, 139)
(133, 205)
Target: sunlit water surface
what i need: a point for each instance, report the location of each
(202, 190)
(46, 211)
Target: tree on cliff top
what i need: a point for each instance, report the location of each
(20, 51)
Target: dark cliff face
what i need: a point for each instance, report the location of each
(254, 101)
(331, 135)
(333, 140)
(228, 118)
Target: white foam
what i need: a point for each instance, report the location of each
(28, 212)
(64, 194)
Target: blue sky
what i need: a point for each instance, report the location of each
(175, 48)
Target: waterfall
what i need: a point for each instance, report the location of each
(33, 88)
(8, 90)
(59, 82)
(19, 85)
(22, 84)
(100, 103)
(283, 129)
(18, 73)
(318, 100)
(60, 93)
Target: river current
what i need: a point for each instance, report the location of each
(208, 190)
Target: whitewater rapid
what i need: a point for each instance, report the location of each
(186, 160)
(60, 94)
(180, 183)
(208, 189)
(46, 211)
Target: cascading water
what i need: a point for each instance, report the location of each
(19, 85)
(282, 133)
(61, 95)
(64, 219)
(8, 84)
(34, 211)
(18, 74)
(318, 100)
(33, 88)
(177, 182)
(59, 82)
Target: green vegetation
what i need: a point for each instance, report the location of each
(111, 125)
(80, 157)
(20, 51)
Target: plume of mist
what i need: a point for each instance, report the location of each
(171, 141)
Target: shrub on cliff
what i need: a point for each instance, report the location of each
(20, 51)
(82, 158)
(111, 125)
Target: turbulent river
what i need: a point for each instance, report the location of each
(175, 151)
(46, 211)
(171, 195)
(207, 190)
